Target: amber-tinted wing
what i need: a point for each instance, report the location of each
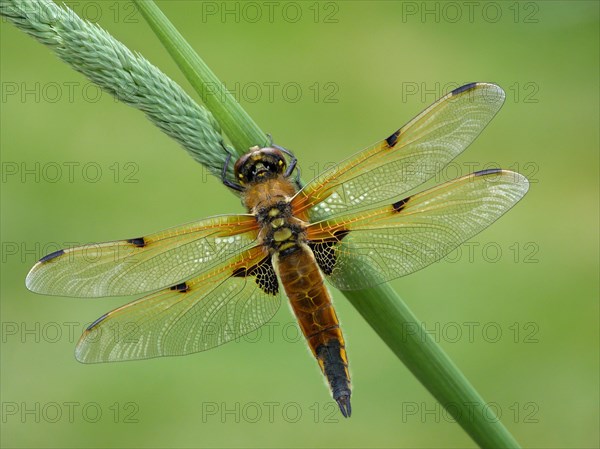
(374, 246)
(238, 296)
(406, 159)
(143, 264)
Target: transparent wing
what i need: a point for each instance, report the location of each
(371, 247)
(214, 308)
(143, 264)
(406, 159)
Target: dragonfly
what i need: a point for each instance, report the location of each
(215, 280)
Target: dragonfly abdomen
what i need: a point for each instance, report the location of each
(311, 303)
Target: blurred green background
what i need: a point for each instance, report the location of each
(516, 309)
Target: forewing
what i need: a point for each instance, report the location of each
(143, 264)
(371, 247)
(406, 159)
(214, 308)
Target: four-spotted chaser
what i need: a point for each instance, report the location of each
(217, 279)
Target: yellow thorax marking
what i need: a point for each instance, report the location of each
(286, 246)
(277, 222)
(282, 234)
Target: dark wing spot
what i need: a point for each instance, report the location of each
(393, 139)
(489, 171)
(182, 288)
(464, 88)
(53, 255)
(325, 251)
(400, 205)
(139, 242)
(89, 328)
(264, 274)
(240, 273)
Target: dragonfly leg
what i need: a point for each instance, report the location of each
(224, 180)
(298, 180)
(293, 163)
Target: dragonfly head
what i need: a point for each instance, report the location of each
(259, 164)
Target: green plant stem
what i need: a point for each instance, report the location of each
(236, 123)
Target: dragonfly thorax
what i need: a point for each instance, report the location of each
(280, 231)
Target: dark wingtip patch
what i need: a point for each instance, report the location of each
(398, 206)
(53, 255)
(393, 139)
(489, 171)
(464, 88)
(95, 323)
(138, 242)
(181, 288)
